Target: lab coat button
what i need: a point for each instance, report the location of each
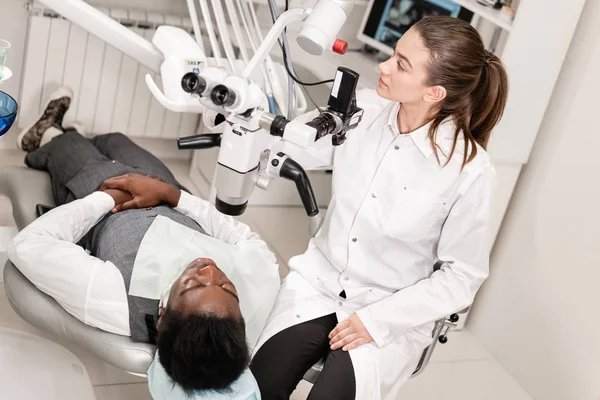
(113, 161)
(354, 240)
(340, 303)
(346, 278)
(373, 195)
(396, 147)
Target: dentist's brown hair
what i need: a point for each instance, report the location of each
(475, 81)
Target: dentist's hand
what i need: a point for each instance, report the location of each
(349, 333)
(145, 191)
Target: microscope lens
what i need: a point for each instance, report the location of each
(192, 83)
(222, 96)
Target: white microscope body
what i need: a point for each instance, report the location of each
(244, 161)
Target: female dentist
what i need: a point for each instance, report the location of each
(412, 185)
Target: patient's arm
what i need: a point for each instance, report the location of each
(145, 191)
(88, 288)
(150, 192)
(216, 224)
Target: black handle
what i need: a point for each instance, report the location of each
(293, 171)
(204, 141)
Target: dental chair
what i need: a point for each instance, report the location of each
(439, 333)
(41, 310)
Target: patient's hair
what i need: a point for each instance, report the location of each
(202, 351)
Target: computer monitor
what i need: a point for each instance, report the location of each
(387, 20)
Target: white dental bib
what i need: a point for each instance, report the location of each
(169, 247)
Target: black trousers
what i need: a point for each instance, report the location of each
(78, 166)
(281, 362)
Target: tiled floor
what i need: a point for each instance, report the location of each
(461, 369)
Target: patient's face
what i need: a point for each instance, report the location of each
(203, 287)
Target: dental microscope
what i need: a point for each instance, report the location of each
(245, 159)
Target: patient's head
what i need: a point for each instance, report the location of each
(201, 334)
(203, 288)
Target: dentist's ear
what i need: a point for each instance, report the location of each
(435, 94)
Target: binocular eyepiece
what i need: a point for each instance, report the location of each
(220, 95)
(192, 83)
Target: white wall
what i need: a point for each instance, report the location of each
(538, 312)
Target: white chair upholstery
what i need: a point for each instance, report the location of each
(26, 188)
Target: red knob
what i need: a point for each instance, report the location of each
(340, 46)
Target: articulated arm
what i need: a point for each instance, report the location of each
(109, 30)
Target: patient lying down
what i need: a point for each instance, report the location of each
(138, 255)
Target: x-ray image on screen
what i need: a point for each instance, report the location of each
(402, 14)
(388, 20)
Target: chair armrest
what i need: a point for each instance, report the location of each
(25, 197)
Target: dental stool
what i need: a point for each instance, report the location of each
(26, 188)
(439, 334)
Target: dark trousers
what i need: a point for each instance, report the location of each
(281, 362)
(78, 166)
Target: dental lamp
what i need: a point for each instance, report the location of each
(190, 84)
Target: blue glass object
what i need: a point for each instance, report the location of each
(8, 112)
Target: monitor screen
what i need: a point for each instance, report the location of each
(387, 20)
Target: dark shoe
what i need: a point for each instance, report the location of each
(57, 105)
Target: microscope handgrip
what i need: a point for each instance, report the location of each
(293, 171)
(196, 142)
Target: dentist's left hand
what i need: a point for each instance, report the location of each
(349, 334)
(145, 191)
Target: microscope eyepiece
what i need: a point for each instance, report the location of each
(192, 83)
(222, 96)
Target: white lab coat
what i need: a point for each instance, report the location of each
(394, 212)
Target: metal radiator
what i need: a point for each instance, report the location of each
(110, 94)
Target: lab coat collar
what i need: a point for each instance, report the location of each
(444, 136)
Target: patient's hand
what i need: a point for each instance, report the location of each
(145, 191)
(119, 196)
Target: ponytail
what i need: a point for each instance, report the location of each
(475, 81)
(488, 99)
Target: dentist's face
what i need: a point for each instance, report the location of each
(403, 74)
(203, 288)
